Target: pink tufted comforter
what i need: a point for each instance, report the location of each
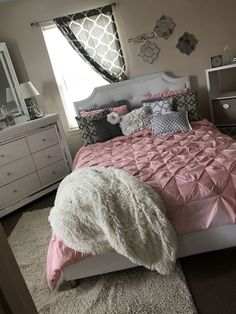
(194, 172)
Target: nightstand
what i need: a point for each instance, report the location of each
(221, 84)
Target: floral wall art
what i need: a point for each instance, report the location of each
(187, 43)
(163, 29)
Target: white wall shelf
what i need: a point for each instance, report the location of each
(221, 84)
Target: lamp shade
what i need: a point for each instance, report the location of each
(28, 90)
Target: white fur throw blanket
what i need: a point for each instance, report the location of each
(98, 210)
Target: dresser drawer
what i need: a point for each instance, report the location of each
(41, 140)
(18, 189)
(13, 151)
(53, 172)
(47, 156)
(225, 111)
(16, 169)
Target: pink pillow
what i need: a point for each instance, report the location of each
(121, 110)
(165, 93)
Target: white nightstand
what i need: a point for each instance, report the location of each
(34, 158)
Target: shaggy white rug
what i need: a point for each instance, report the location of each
(131, 291)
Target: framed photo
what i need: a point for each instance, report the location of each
(216, 61)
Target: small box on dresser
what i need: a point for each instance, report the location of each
(34, 158)
(221, 84)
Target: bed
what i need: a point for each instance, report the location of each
(218, 232)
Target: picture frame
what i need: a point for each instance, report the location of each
(216, 61)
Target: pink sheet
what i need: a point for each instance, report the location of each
(194, 172)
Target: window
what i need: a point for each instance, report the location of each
(75, 77)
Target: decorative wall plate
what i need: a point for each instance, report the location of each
(187, 43)
(164, 27)
(149, 51)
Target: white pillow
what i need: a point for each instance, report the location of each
(136, 120)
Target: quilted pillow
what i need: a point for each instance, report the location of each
(121, 110)
(160, 106)
(87, 127)
(170, 122)
(136, 120)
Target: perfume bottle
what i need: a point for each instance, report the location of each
(226, 53)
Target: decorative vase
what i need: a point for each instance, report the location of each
(34, 109)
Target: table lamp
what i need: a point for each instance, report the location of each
(28, 92)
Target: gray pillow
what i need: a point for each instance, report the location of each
(87, 127)
(160, 106)
(136, 120)
(106, 130)
(170, 122)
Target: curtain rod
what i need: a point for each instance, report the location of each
(37, 24)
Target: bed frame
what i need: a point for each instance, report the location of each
(189, 244)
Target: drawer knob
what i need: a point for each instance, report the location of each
(53, 172)
(14, 191)
(8, 173)
(2, 156)
(44, 139)
(226, 106)
(48, 156)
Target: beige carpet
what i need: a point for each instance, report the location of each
(132, 291)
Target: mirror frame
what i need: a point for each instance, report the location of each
(13, 82)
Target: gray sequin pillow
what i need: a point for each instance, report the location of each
(136, 120)
(160, 106)
(170, 123)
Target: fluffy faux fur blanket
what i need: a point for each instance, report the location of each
(98, 210)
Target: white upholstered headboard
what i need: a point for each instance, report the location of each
(131, 90)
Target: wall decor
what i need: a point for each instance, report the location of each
(142, 37)
(216, 61)
(164, 27)
(187, 43)
(149, 51)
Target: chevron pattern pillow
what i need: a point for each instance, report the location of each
(170, 123)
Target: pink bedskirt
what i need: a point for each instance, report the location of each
(194, 172)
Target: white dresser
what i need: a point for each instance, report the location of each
(34, 158)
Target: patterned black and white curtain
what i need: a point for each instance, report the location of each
(93, 34)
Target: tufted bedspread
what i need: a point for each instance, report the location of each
(194, 172)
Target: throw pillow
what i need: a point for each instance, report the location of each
(136, 120)
(183, 99)
(160, 106)
(106, 130)
(170, 122)
(188, 101)
(87, 127)
(121, 110)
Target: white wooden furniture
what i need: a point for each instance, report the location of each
(221, 84)
(34, 157)
(188, 244)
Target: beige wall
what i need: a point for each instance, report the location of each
(212, 22)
